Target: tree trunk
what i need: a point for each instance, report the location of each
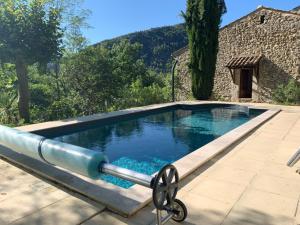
(23, 103)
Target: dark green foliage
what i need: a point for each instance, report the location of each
(106, 77)
(288, 94)
(8, 94)
(97, 79)
(203, 19)
(29, 33)
(111, 78)
(152, 88)
(94, 80)
(100, 75)
(158, 45)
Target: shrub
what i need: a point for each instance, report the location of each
(288, 94)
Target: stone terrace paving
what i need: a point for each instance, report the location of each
(248, 184)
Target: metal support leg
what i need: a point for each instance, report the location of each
(294, 159)
(158, 217)
(162, 220)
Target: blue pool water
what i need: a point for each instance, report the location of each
(148, 142)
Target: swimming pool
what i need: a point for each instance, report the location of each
(179, 119)
(145, 142)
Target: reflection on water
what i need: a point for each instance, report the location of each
(147, 143)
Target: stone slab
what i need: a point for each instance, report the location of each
(287, 187)
(262, 208)
(26, 203)
(69, 211)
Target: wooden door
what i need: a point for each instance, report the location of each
(246, 83)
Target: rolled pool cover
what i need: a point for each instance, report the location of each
(74, 158)
(21, 142)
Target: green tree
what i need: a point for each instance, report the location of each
(74, 19)
(100, 79)
(158, 44)
(8, 94)
(99, 75)
(288, 93)
(203, 19)
(29, 33)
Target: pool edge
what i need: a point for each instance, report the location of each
(129, 201)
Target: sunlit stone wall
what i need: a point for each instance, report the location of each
(277, 38)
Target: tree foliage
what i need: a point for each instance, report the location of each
(29, 33)
(203, 19)
(8, 94)
(288, 94)
(73, 17)
(96, 79)
(79, 81)
(104, 77)
(158, 44)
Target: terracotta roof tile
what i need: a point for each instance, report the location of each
(243, 61)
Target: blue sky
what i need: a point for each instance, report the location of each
(112, 18)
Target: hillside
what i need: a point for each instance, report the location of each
(158, 44)
(296, 9)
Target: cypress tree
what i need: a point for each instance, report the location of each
(203, 18)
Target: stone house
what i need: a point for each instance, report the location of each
(256, 53)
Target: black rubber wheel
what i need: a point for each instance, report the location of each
(165, 187)
(179, 210)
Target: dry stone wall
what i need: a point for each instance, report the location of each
(274, 34)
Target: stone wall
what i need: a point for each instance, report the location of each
(183, 89)
(277, 39)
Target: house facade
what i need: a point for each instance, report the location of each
(256, 53)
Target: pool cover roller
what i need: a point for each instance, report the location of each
(92, 163)
(74, 158)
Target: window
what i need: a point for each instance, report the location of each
(262, 19)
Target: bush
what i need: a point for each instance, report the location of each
(137, 94)
(288, 94)
(95, 80)
(9, 109)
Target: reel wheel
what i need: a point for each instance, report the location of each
(179, 210)
(165, 187)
